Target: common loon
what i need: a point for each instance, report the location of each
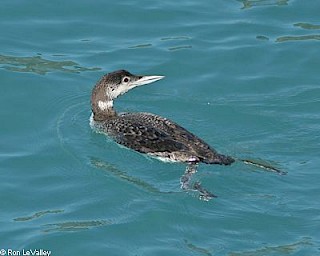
(148, 133)
(154, 135)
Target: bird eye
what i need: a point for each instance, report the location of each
(125, 79)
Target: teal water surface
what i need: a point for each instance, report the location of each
(243, 75)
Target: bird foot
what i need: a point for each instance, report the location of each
(204, 194)
(185, 181)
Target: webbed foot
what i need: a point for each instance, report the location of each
(204, 194)
(185, 180)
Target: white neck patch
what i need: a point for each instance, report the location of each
(104, 105)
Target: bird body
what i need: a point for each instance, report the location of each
(154, 135)
(160, 137)
(149, 133)
(145, 132)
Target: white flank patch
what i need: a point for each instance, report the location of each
(162, 159)
(95, 126)
(92, 124)
(104, 105)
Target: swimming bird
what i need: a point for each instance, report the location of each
(148, 133)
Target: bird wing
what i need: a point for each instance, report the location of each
(141, 136)
(156, 135)
(175, 131)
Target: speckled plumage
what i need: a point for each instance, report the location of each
(145, 132)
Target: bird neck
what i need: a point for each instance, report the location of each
(101, 104)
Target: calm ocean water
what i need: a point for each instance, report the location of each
(243, 75)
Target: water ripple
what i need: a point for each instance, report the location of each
(258, 3)
(195, 249)
(297, 38)
(37, 215)
(307, 25)
(140, 46)
(122, 175)
(166, 43)
(277, 250)
(75, 225)
(39, 65)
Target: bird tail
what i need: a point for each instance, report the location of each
(227, 160)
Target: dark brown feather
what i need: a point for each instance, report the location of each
(158, 136)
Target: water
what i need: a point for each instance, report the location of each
(243, 75)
